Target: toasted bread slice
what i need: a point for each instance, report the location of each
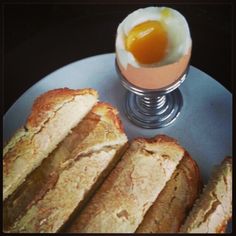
(53, 115)
(121, 202)
(169, 210)
(213, 209)
(70, 174)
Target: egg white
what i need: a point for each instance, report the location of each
(176, 26)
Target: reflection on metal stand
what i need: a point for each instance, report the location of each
(151, 108)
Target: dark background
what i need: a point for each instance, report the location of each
(40, 38)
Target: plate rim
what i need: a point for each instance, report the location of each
(89, 58)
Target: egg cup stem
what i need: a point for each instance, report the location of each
(153, 112)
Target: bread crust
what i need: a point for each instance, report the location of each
(72, 176)
(40, 135)
(127, 193)
(169, 210)
(213, 209)
(51, 101)
(42, 108)
(112, 114)
(160, 138)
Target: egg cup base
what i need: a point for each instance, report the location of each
(155, 111)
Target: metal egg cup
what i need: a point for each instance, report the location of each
(152, 108)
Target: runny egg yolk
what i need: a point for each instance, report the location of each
(148, 42)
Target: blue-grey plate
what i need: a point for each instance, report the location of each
(204, 126)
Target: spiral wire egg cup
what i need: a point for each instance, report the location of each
(152, 108)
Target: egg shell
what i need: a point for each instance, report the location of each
(155, 77)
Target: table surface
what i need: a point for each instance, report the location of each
(38, 39)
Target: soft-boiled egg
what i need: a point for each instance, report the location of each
(153, 47)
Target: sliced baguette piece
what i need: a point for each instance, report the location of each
(121, 202)
(169, 210)
(45, 176)
(213, 209)
(53, 115)
(68, 178)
